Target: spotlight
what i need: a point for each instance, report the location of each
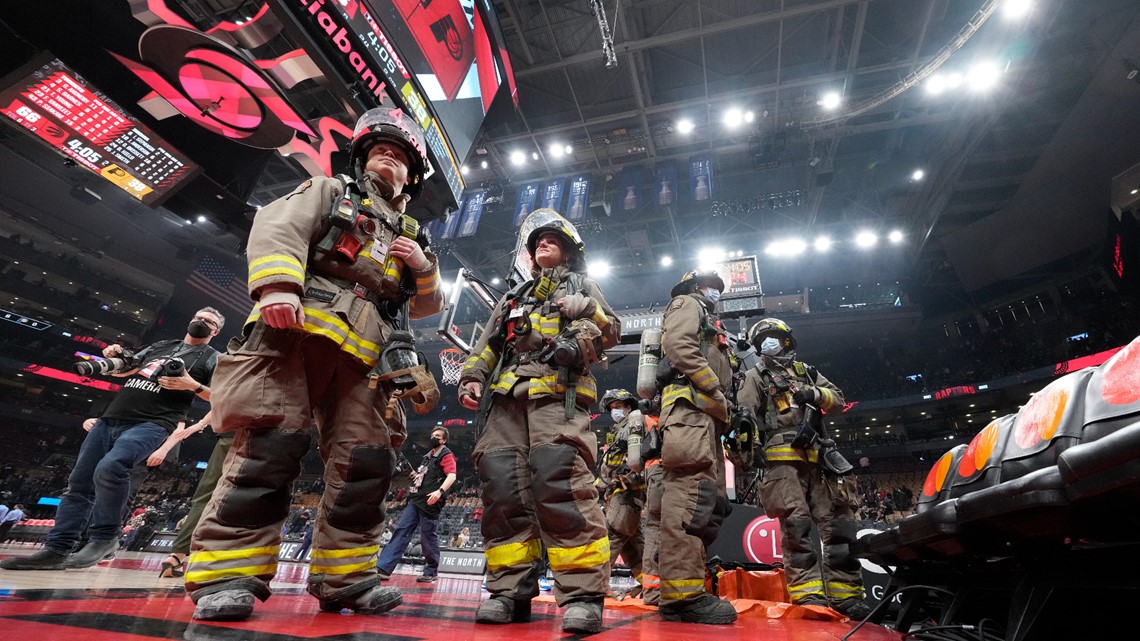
(710, 258)
(749, 116)
(495, 281)
(1015, 9)
(464, 170)
(201, 218)
(895, 236)
(823, 244)
(918, 175)
(685, 126)
(983, 76)
(518, 158)
(598, 269)
(556, 150)
(786, 247)
(446, 286)
(666, 261)
(733, 117)
(534, 155)
(483, 164)
(569, 150)
(866, 239)
(831, 100)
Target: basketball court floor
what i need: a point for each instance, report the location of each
(124, 599)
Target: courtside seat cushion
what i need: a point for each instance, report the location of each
(1109, 464)
(1033, 506)
(940, 521)
(881, 548)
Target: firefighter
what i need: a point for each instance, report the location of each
(620, 472)
(694, 415)
(797, 489)
(654, 474)
(337, 269)
(529, 378)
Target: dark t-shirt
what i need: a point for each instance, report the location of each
(142, 399)
(432, 473)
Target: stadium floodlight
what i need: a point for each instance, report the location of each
(983, 76)
(557, 149)
(918, 175)
(733, 117)
(822, 244)
(866, 239)
(666, 261)
(710, 258)
(831, 100)
(895, 236)
(518, 158)
(1016, 9)
(598, 269)
(685, 126)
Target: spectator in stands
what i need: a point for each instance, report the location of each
(137, 421)
(10, 519)
(432, 480)
(462, 538)
(306, 540)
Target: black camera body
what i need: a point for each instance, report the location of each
(121, 363)
(174, 367)
(563, 351)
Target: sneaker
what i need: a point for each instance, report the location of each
(376, 600)
(426, 578)
(91, 554)
(501, 609)
(852, 608)
(226, 605)
(544, 584)
(382, 575)
(583, 617)
(703, 609)
(42, 560)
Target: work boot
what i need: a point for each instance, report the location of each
(502, 609)
(852, 608)
(814, 599)
(225, 605)
(375, 600)
(703, 609)
(651, 596)
(583, 616)
(91, 554)
(43, 560)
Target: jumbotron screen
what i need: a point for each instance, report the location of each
(57, 106)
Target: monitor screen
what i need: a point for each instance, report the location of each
(56, 105)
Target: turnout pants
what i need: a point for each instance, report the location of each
(538, 489)
(650, 575)
(269, 388)
(623, 522)
(694, 501)
(800, 494)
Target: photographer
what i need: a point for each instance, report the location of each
(162, 382)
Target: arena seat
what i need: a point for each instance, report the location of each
(1105, 468)
(1034, 507)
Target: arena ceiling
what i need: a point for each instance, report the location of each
(1015, 182)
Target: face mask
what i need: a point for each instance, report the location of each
(712, 294)
(435, 442)
(770, 346)
(617, 413)
(198, 329)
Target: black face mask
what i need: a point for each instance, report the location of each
(435, 442)
(198, 329)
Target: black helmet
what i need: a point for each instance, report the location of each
(694, 279)
(394, 126)
(775, 328)
(618, 395)
(548, 221)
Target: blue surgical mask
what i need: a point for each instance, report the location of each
(770, 346)
(617, 413)
(712, 294)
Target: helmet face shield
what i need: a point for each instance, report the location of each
(548, 221)
(396, 127)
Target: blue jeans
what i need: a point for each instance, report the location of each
(429, 542)
(99, 485)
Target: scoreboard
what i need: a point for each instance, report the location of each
(56, 105)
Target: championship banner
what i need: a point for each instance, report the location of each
(579, 197)
(528, 195)
(666, 184)
(552, 194)
(629, 188)
(700, 178)
(472, 213)
(452, 224)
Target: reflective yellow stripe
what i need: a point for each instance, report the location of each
(276, 265)
(803, 589)
(315, 568)
(704, 378)
(582, 556)
(513, 554)
(210, 575)
(506, 381)
(673, 393)
(785, 453)
(426, 285)
(600, 319)
(844, 590)
(828, 398)
(681, 588)
(205, 556)
(649, 581)
(322, 324)
(340, 554)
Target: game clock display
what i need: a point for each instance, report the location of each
(59, 107)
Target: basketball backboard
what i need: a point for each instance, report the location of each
(468, 309)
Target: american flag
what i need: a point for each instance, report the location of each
(221, 285)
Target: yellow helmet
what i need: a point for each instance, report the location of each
(695, 279)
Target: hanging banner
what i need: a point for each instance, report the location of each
(579, 197)
(700, 178)
(629, 189)
(472, 213)
(528, 194)
(665, 184)
(552, 194)
(452, 224)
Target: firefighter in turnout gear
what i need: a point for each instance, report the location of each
(620, 471)
(336, 269)
(694, 415)
(529, 377)
(654, 475)
(797, 489)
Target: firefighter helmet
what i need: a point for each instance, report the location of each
(394, 126)
(775, 328)
(618, 395)
(549, 221)
(695, 279)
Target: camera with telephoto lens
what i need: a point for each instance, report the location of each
(174, 367)
(121, 363)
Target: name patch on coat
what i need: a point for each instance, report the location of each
(320, 294)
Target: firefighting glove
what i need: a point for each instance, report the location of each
(807, 396)
(281, 309)
(577, 306)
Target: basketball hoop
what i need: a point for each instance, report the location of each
(451, 361)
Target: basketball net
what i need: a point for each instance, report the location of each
(451, 361)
